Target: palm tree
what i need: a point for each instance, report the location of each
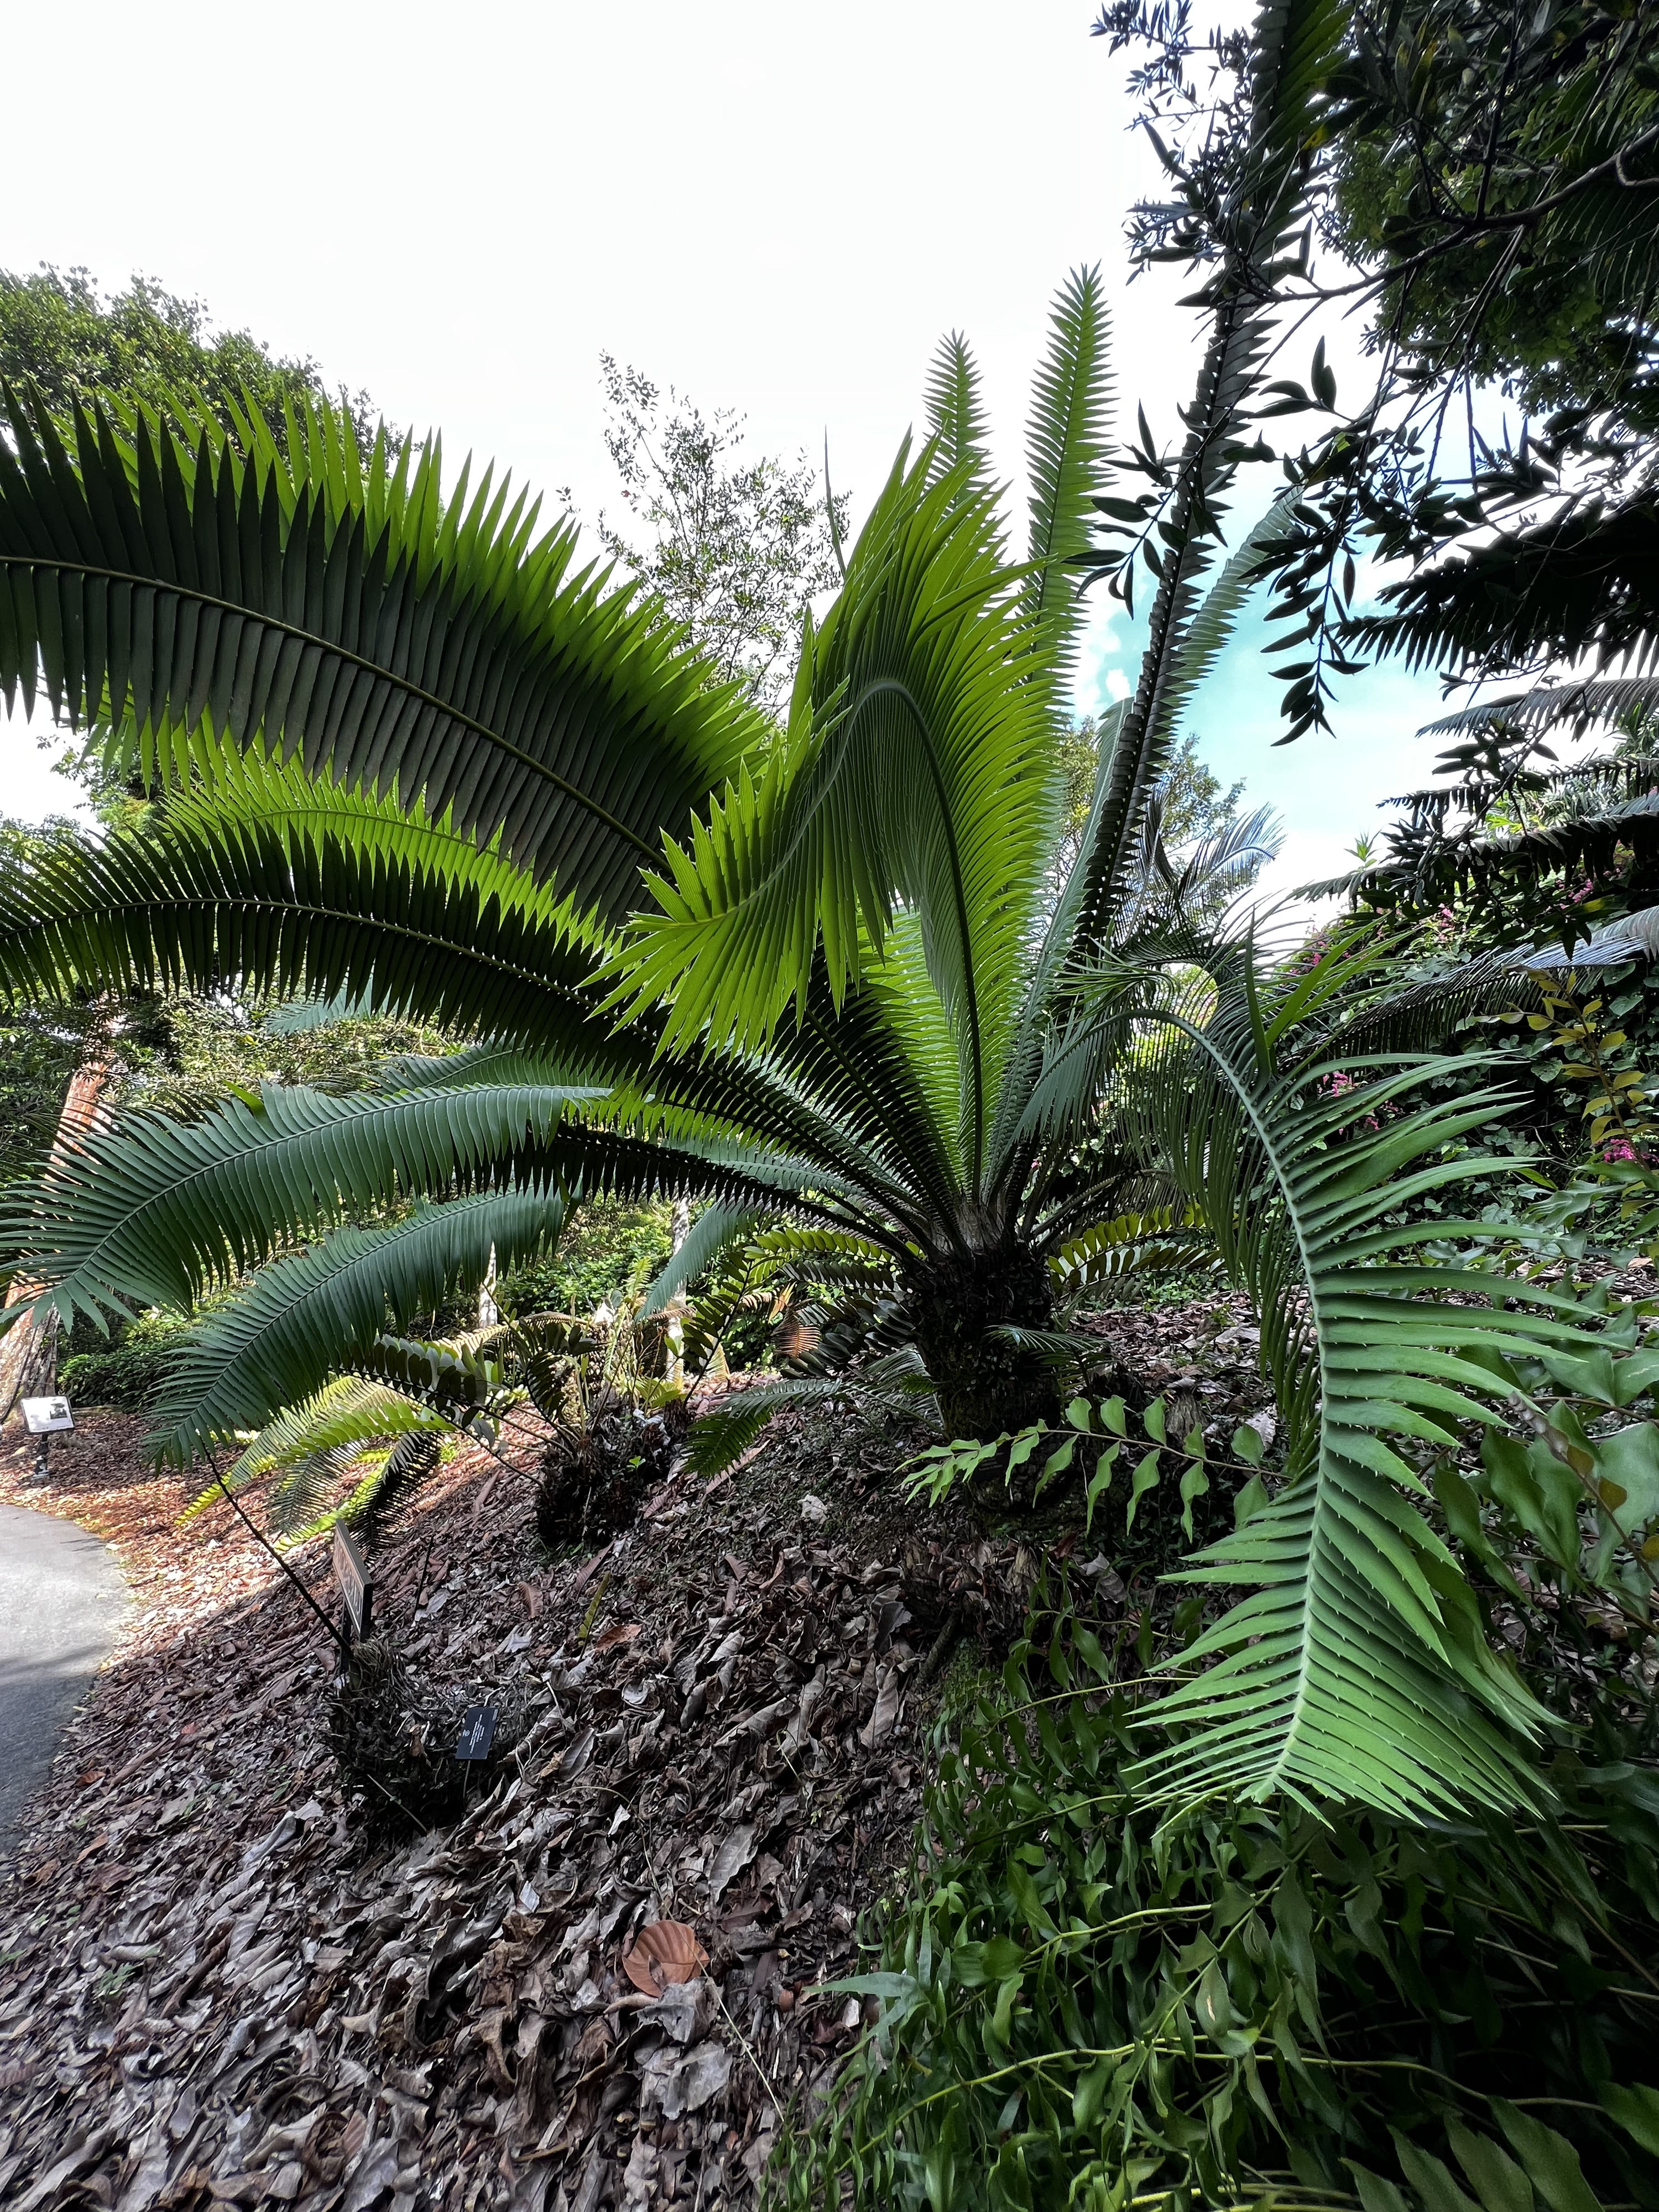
(829, 985)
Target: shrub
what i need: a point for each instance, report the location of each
(131, 1369)
(1090, 2002)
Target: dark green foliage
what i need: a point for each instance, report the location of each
(433, 644)
(609, 1250)
(1467, 120)
(1089, 2000)
(133, 1370)
(63, 341)
(1490, 172)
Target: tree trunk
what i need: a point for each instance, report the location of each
(985, 1384)
(28, 1350)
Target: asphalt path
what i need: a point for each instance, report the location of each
(62, 1596)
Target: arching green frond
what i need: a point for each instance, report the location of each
(304, 1450)
(921, 778)
(153, 1211)
(303, 1318)
(284, 882)
(1065, 455)
(837, 1293)
(1203, 640)
(352, 610)
(1159, 1241)
(1294, 46)
(1139, 748)
(899, 991)
(857, 1071)
(1358, 1667)
(1598, 703)
(715, 1230)
(956, 418)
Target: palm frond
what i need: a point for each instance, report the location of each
(713, 1232)
(898, 1383)
(957, 419)
(1294, 47)
(1358, 1667)
(1582, 584)
(1593, 704)
(285, 883)
(1071, 408)
(305, 1316)
(1106, 873)
(155, 1211)
(352, 610)
(1162, 1241)
(917, 772)
(302, 1454)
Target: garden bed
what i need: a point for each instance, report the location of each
(223, 1983)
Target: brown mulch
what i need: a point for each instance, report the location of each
(216, 1986)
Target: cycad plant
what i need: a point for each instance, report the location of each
(830, 984)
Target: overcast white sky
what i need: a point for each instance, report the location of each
(774, 207)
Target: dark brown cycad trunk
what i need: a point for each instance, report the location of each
(985, 1384)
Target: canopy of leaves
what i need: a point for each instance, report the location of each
(62, 339)
(739, 548)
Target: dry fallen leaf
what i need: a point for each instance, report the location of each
(665, 1951)
(624, 1633)
(730, 1860)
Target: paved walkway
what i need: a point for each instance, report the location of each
(62, 1596)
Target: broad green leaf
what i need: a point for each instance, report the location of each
(1431, 2179)
(1143, 1479)
(1635, 2110)
(1629, 1460)
(1194, 1485)
(1497, 2181)
(1586, 1375)
(1549, 2158)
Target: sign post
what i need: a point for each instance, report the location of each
(46, 1417)
(477, 1731)
(356, 1586)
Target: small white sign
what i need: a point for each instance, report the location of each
(43, 1416)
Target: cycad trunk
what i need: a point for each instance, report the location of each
(985, 1383)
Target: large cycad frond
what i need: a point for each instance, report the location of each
(356, 612)
(1582, 583)
(156, 1210)
(300, 1320)
(1294, 47)
(300, 1454)
(916, 773)
(277, 882)
(956, 418)
(1071, 412)
(1598, 703)
(1358, 1667)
